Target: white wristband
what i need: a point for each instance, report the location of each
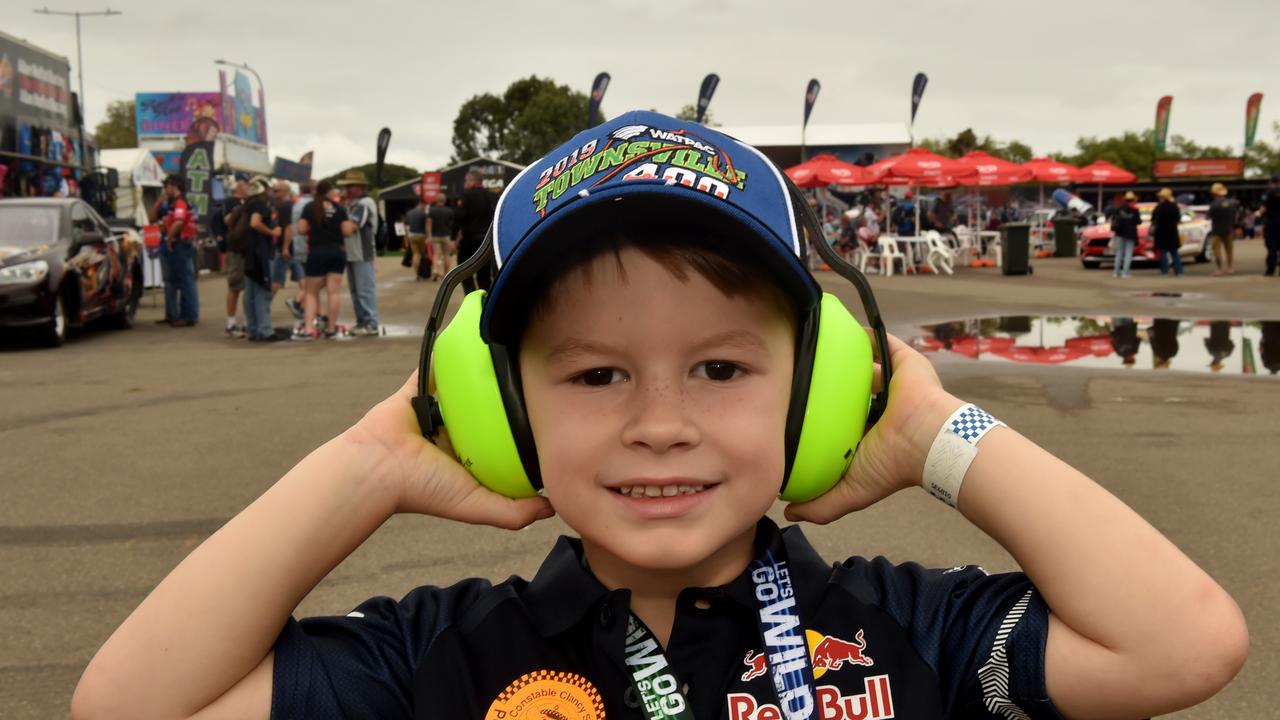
(953, 450)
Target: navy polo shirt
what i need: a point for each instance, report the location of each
(885, 641)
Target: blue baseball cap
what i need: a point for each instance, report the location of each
(641, 166)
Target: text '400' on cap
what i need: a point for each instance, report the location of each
(652, 167)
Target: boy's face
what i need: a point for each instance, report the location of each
(658, 408)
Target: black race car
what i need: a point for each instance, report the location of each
(62, 266)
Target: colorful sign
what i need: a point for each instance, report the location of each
(1252, 109)
(290, 170)
(239, 115)
(1213, 167)
(192, 115)
(429, 188)
(170, 160)
(34, 91)
(1162, 121)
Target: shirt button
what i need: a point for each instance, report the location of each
(606, 615)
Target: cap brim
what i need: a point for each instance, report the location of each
(606, 215)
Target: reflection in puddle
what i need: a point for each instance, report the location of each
(1206, 346)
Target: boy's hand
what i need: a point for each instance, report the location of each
(892, 452)
(426, 479)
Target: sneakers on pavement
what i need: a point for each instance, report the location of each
(364, 331)
(234, 331)
(294, 308)
(300, 333)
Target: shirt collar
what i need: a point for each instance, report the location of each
(564, 591)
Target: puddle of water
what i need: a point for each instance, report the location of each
(1159, 294)
(1228, 347)
(387, 330)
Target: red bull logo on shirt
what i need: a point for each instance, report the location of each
(875, 702)
(831, 653)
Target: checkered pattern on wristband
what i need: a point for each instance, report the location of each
(971, 423)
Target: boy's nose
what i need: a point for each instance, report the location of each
(660, 421)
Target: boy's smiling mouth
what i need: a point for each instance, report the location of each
(654, 490)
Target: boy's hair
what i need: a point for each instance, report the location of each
(679, 249)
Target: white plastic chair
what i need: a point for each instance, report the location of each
(965, 245)
(937, 253)
(889, 254)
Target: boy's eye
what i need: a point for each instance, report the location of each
(599, 377)
(718, 370)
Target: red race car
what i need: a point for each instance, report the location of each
(1095, 240)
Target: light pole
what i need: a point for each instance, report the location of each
(79, 61)
(262, 89)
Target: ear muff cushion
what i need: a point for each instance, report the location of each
(471, 404)
(836, 410)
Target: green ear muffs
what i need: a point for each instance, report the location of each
(479, 399)
(829, 402)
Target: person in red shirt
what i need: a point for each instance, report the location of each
(179, 229)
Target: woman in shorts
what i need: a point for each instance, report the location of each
(324, 222)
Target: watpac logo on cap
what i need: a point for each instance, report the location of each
(639, 152)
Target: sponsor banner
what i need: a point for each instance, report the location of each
(709, 85)
(35, 86)
(810, 97)
(598, 86)
(1162, 121)
(917, 92)
(192, 115)
(239, 115)
(197, 166)
(1252, 109)
(1219, 167)
(429, 188)
(290, 170)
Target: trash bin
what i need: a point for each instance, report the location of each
(1016, 254)
(1064, 236)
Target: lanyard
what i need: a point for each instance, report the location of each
(661, 697)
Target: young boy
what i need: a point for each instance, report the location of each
(653, 301)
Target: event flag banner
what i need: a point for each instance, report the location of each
(598, 87)
(429, 188)
(709, 84)
(197, 166)
(1162, 121)
(1200, 168)
(1252, 109)
(917, 92)
(290, 170)
(810, 97)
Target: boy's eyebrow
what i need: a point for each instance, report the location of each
(572, 347)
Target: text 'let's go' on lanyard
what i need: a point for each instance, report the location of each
(660, 694)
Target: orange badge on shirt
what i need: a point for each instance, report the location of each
(548, 694)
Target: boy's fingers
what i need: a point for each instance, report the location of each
(830, 506)
(482, 506)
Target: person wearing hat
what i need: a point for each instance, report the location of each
(1164, 223)
(177, 223)
(361, 252)
(1270, 212)
(1125, 220)
(1222, 221)
(259, 250)
(659, 318)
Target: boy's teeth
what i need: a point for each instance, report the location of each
(654, 491)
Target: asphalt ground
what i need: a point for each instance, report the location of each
(121, 451)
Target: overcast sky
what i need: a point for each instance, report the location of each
(335, 72)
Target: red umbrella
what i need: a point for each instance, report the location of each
(917, 166)
(1048, 170)
(1101, 172)
(991, 170)
(971, 346)
(1042, 355)
(1096, 345)
(823, 170)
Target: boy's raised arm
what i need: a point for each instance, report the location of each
(1124, 600)
(201, 641)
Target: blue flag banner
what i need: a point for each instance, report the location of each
(708, 89)
(810, 97)
(917, 92)
(597, 95)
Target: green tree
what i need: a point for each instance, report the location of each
(690, 112)
(120, 128)
(392, 174)
(1263, 158)
(967, 140)
(532, 117)
(1133, 151)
